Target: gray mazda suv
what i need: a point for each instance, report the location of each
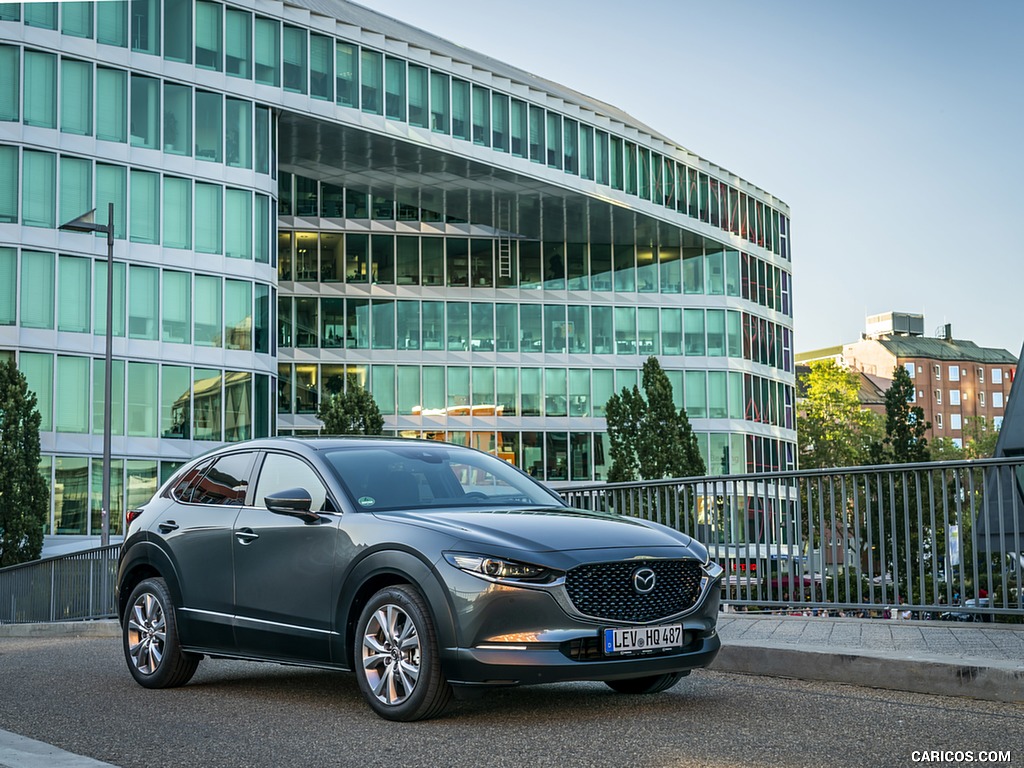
(426, 568)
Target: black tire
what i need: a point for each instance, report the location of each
(641, 685)
(150, 638)
(395, 657)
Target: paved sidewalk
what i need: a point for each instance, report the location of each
(978, 660)
(20, 752)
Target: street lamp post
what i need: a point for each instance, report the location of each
(85, 223)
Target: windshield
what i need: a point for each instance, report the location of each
(425, 476)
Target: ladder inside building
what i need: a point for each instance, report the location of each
(504, 239)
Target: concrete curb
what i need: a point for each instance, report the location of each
(995, 681)
(102, 628)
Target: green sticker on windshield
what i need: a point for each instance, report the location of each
(367, 501)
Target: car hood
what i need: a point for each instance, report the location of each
(543, 530)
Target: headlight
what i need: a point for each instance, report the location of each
(498, 569)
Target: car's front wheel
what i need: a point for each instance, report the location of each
(397, 663)
(650, 684)
(150, 638)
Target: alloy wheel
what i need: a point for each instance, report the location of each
(147, 633)
(391, 654)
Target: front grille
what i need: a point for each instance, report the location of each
(606, 590)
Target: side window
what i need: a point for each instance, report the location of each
(281, 472)
(226, 482)
(185, 487)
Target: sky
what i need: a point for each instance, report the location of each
(891, 129)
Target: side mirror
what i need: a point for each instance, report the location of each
(293, 501)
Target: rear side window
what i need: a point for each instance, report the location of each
(183, 490)
(226, 482)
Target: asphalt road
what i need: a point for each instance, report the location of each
(76, 693)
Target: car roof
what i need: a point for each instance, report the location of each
(325, 442)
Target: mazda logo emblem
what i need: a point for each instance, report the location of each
(643, 580)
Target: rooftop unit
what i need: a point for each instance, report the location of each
(893, 324)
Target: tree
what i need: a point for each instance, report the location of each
(905, 427)
(647, 435)
(351, 412)
(24, 494)
(904, 443)
(624, 414)
(832, 428)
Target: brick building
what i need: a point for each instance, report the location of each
(955, 380)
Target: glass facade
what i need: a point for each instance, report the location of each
(491, 313)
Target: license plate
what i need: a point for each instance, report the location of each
(626, 640)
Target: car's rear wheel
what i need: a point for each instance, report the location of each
(651, 684)
(397, 663)
(150, 638)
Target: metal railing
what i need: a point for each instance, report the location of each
(935, 538)
(943, 537)
(73, 587)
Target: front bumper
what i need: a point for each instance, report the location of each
(525, 636)
(501, 667)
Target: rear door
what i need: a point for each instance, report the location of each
(196, 530)
(284, 567)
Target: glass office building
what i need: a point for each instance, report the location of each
(310, 195)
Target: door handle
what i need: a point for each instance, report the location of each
(167, 526)
(246, 536)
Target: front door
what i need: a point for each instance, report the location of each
(284, 569)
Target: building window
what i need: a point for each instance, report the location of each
(997, 399)
(209, 218)
(75, 291)
(997, 375)
(295, 59)
(461, 110)
(394, 89)
(954, 373)
(38, 370)
(145, 112)
(99, 299)
(981, 375)
(144, 216)
(209, 126)
(954, 397)
(143, 307)
(112, 24)
(238, 43)
(321, 67)
(176, 307)
(238, 134)
(209, 35)
(938, 372)
(178, 30)
(268, 51)
(911, 369)
(37, 294)
(238, 227)
(177, 212)
(938, 421)
(207, 310)
(938, 397)
(954, 421)
(146, 26)
(370, 78)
